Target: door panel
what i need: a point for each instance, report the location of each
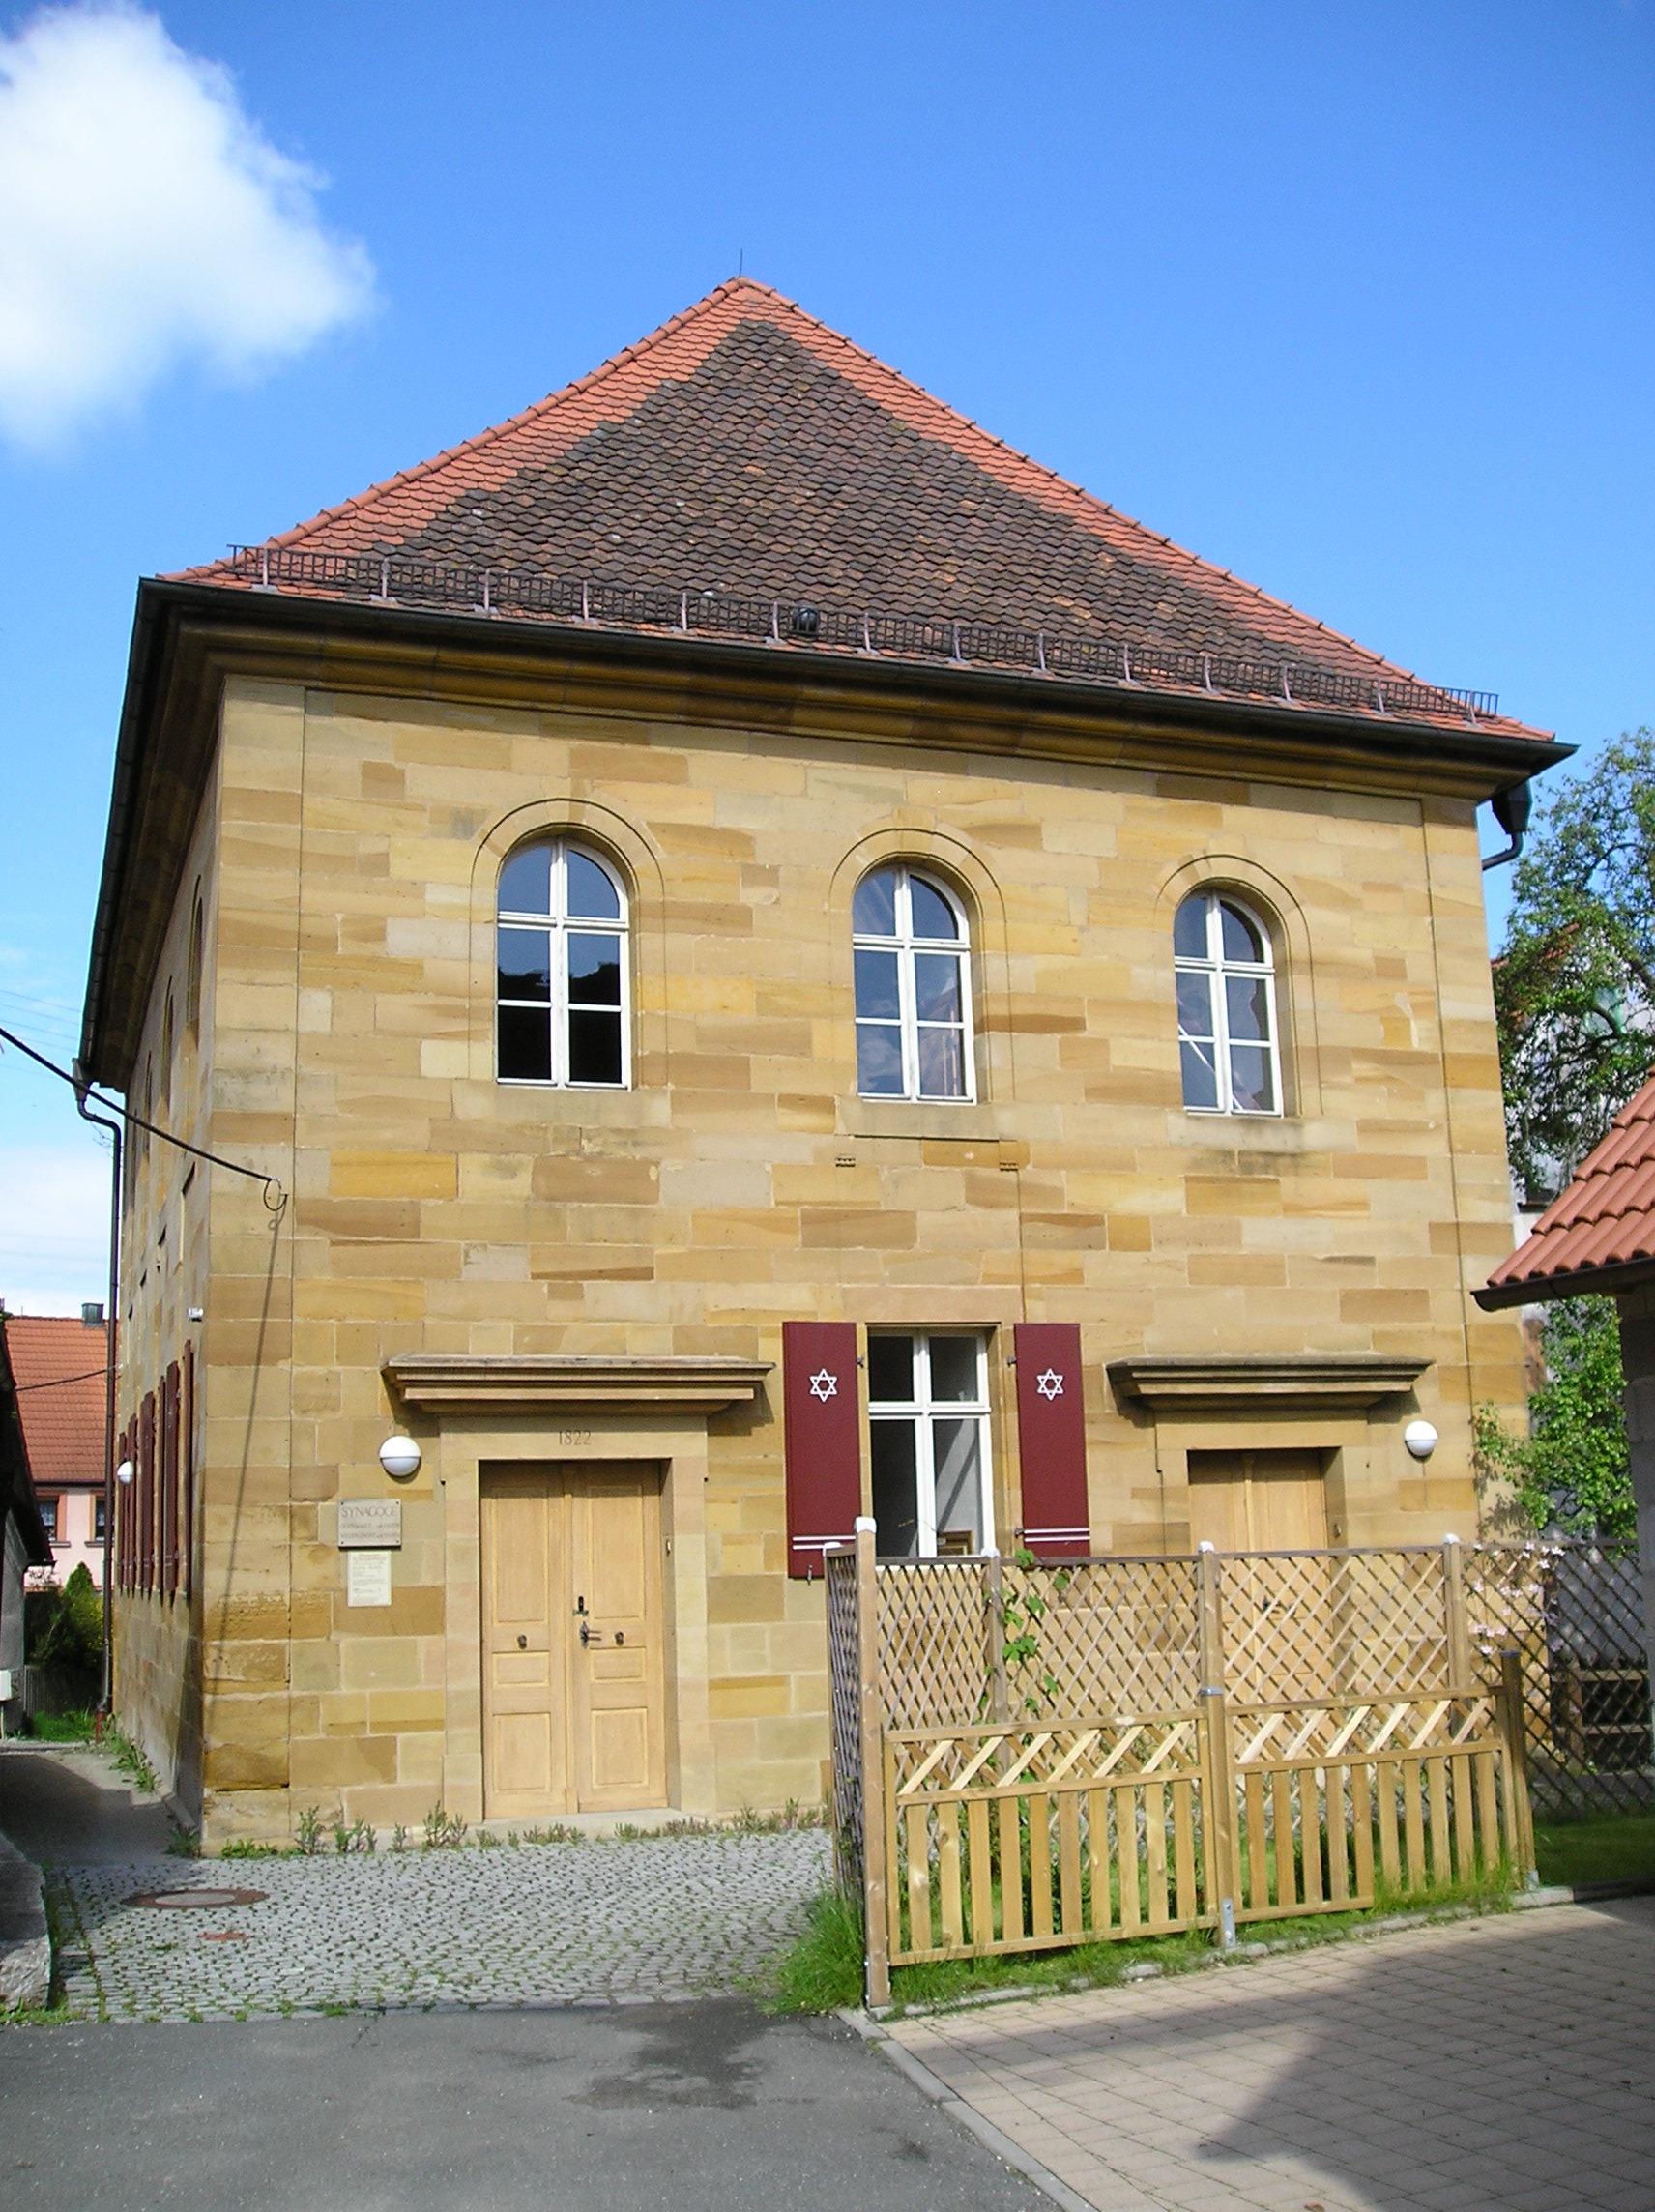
(1258, 1500)
(571, 1725)
(525, 1717)
(619, 1737)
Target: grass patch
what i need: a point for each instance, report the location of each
(128, 1757)
(61, 1728)
(824, 1969)
(1613, 1847)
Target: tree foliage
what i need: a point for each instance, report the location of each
(1574, 988)
(64, 1626)
(1573, 1471)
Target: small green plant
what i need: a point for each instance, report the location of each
(244, 1849)
(823, 1970)
(308, 1833)
(128, 1757)
(445, 1831)
(559, 1832)
(399, 1838)
(358, 1838)
(487, 1842)
(1022, 1608)
(182, 1843)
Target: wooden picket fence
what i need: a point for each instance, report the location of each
(1032, 1824)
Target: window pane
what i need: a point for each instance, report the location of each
(525, 963)
(1253, 1091)
(957, 1446)
(896, 1488)
(873, 910)
(594, 970)
(876, 986)
(1248, 1007)
(594, 1047)
(1200, 1078)
(891, 1370)
(933, 916)
(1241, 940)
(941, 1064)
(525, 1044)
(879, 1059)
(1189, 929)
(525, 880)
(954, 1369)
(1195, 1006)
(590, 890)
(937, 986)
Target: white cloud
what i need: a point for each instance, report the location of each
(54, 1226)
(144, 221)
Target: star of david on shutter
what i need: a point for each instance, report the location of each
(1050, 1383)
(824, 1385)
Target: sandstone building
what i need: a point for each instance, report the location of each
(783, 961)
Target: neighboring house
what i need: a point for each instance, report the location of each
(24, 1545)
(788, 963)
(59, 1375)
(1598, 1238)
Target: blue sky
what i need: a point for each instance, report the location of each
(1357, 302)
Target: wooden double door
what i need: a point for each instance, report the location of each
(573, 1713)
(1259, 1500)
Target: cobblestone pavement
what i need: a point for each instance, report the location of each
(1501, 2063)
(528, 1924)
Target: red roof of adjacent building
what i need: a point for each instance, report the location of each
(58, 1371)
(1599, 1229)
(745, 454)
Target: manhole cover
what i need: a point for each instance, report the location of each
(197, 1900)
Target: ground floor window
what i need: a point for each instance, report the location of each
(928, 1418)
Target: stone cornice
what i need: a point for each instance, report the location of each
(1350, 1380)
(454, 1384)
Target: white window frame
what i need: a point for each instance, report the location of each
(923, 1411)
(562, 926)
(1216, 967)
(905, 944)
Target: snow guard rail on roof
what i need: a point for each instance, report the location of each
(389, 580)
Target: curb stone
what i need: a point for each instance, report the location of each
(25, 1944)
(991, 2138)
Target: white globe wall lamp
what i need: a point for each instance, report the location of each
(124, 1472)
(400, 1457)
(1420, 1438)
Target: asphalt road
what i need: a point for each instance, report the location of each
(70, 1808)
(708, 2107)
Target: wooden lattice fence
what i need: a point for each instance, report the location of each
(1029, 1757)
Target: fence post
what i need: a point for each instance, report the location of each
(1218, 1753)
(1460, 1680)
(875, 1934)
(1514, 1726)
(997, 1637)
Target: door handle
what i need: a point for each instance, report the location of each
(585, 1634)
(522, 1643)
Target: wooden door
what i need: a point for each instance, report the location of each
(525, 1664)
(617, 1703)
(572, 1661)
(1258, 1500)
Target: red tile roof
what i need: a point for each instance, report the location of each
(745, 449)
(1599, 1229)
(57, 1367)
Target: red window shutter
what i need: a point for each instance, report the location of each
(146, 1492)
(169, 1481)
(1051, 1440)
(187, 1477)
(117, 1535)
(823, 1416)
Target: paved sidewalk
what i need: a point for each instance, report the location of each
(1502, 2062)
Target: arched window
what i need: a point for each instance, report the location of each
(561, 956)
(192, 969)
(1227, 1007)
(914, 988)
(166, 1048)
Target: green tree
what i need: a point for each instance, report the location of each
(1575, 987)
(65, 1628)
(1573, 1470)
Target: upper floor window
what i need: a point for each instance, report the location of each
(1227, 1007)
(561, 957)
(914, 1008)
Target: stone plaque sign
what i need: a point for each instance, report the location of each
(370, 1524)
(368, 1577)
